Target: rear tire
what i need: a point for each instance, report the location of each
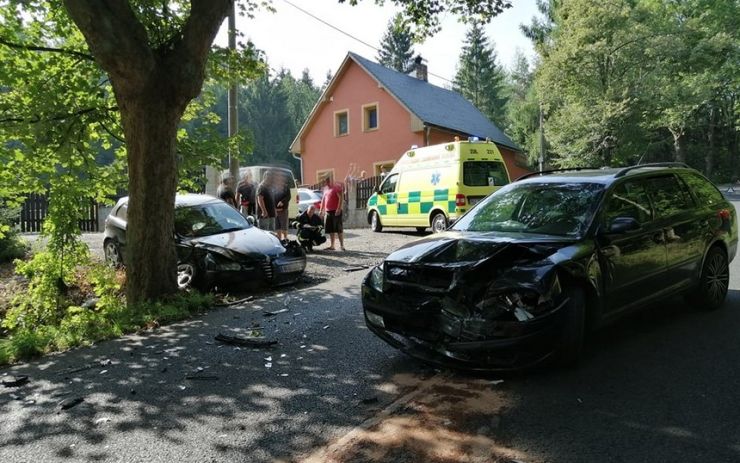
(570, 345)
(375, 224)
(438, 222)
(713, 282)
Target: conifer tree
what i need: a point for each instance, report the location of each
(396, 50)
(479, 78)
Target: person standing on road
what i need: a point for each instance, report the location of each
(266, 203)
(225, 191)
(331, 210)
(245, 195)
(282, 203)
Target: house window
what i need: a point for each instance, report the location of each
(341, 123)
(370, 117)
(322, 175)
(382, 168)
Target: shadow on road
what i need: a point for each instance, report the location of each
(248, 405)
(657, 386)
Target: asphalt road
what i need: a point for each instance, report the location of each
(660, 386)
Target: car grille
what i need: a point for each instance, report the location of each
(428, 277)
(267, 269)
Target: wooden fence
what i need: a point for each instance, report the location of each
(36, 207)
(365, 189)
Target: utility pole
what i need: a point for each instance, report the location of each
(542, 139)
(233, 100)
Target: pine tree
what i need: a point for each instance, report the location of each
(395, 48)
(479, 78)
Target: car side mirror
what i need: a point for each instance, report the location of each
(251, 220)
(377, 189)
(622, 225)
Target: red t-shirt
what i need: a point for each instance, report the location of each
(331, 197)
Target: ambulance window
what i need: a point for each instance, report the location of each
(484, 173)
(389, 186)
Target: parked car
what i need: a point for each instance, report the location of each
(521, 276)
(307, 198)
(216, 246)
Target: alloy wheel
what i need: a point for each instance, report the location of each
(185, 275)
(716, 277)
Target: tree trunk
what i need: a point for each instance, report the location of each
(679, 145)
(150, 123)
(709, 157)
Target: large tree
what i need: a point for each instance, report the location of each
(396, 50)
(479, 77)
(154, 55)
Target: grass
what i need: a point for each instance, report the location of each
(83, 327)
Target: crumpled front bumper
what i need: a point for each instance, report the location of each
(431, 334)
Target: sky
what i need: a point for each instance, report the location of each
(294, 40)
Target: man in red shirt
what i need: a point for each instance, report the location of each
(331, 210)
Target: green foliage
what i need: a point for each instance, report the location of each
(479, 78)
(55, 320)
(630, 81)
(11, 245)
(396, 46)
(426, 14)
(522, 109)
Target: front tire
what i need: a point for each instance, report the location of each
(570, 344)
(186, 275)
(112, 253)
(375, 224)
(439, 223)
(713, 282)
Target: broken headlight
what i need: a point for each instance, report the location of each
(221, 263)
(518, 304)
(376, 279)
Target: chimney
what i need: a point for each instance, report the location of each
(421, 68)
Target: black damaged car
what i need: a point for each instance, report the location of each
(216, 246)
(520, 277)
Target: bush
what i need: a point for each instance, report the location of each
(49, 316)
(12, 246)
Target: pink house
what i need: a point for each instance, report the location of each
(370, 115)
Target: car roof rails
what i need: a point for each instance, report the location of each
(625, 170)
(552, 171)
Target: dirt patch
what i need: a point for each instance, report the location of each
(445, 420)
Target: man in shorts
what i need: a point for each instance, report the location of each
(266, 203)
(331, 210)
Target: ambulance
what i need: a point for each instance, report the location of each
(434, 185)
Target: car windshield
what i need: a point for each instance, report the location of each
(208, 219)
(563, 209)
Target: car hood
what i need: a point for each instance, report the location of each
(461, 248)
(247, 241)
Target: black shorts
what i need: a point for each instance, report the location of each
(333, 222)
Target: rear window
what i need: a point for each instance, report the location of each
(484, 173)
(706, 193)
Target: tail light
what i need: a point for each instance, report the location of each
(724, 214)
(459, 200)
(317, 204)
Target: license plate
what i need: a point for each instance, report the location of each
(474, 201)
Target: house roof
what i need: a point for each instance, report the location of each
(434, 106)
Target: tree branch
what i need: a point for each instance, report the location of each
(55, 118)
(198, 33)
(20, 46)
(116, 38)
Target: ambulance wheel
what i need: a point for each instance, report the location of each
(439, 223)
(375, 222)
